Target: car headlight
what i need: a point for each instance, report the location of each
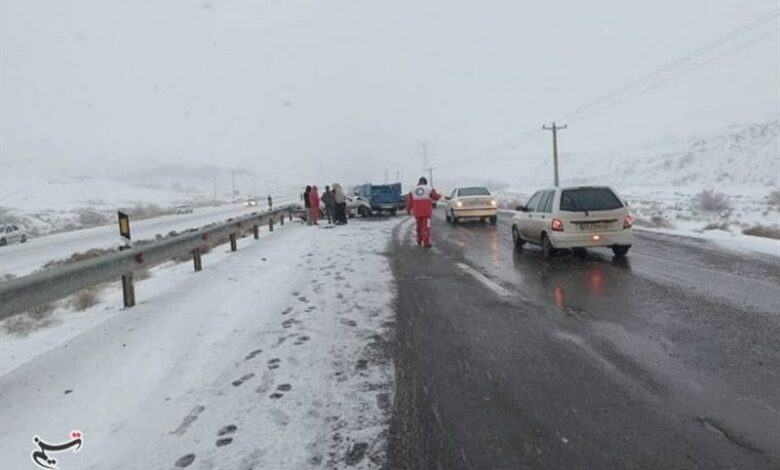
(493, 202)
(459, 204)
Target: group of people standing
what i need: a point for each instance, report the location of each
(333, 199)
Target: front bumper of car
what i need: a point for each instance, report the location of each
(590, 240)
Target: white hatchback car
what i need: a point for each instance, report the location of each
(576, 218)
(473, 202)
(11, 234)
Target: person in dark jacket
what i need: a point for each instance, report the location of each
(330, 204)
(306, 204)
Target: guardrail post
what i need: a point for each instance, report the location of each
(281, 220)
(271, 224)
(233, 244)
(256, 231)
(128, 290)
(196, 259)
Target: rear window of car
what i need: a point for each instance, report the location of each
(473, 192)
(589, 199)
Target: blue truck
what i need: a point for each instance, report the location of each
(382, 197)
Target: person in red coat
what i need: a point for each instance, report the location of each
(314, 205)
(419, 202)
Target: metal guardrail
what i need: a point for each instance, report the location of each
(27, 292)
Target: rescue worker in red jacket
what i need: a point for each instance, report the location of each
(420, 203)
(314, 209)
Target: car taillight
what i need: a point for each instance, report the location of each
(556, 225)
(628, 222)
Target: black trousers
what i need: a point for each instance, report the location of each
(341, 213)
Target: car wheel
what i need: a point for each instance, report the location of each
(482, 220)
(547, 249)
(24, 239)
(447, 218)
(393, 212)
(517, 240)
(493, 220)
(580, 252)
(3, 242)
(620, 250)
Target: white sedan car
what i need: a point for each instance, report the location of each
(575, 218)
(473, 202)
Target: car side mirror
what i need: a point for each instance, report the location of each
(447, 198)
(520, 208)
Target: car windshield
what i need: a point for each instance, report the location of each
(475, 191)
(589, 199)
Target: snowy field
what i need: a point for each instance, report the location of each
(43, 205)
(259, 361)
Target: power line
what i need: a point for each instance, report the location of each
(712, 45)
(625, 89)
(676, 76)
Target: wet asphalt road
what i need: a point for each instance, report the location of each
(668, 359)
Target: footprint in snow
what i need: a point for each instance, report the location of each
(185, 461)
(287, 310)
(239, 382)
(253, 354)
(223, 441)
(278, 393)
(274, 363)
(301, 340)
(228, 429)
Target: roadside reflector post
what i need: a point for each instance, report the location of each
(233, 244)
(196, 260)
(281, 220)
(271, 224)
(256, 231)
(290, 215)
(128, 290)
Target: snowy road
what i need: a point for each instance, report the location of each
(302, 349)
(666, 360)
(21, 259)
(272, 357)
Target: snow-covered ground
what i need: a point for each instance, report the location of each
(258, 361)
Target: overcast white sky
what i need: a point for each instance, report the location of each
(312, 90)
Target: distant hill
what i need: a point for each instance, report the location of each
(747, 155)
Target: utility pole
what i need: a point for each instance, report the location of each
(214, 184)
(555, 128)
(233, 176)
(430, 174)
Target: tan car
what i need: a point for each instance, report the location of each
(471, 202)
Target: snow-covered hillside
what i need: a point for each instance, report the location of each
(744, 155)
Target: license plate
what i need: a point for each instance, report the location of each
(591, 227)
